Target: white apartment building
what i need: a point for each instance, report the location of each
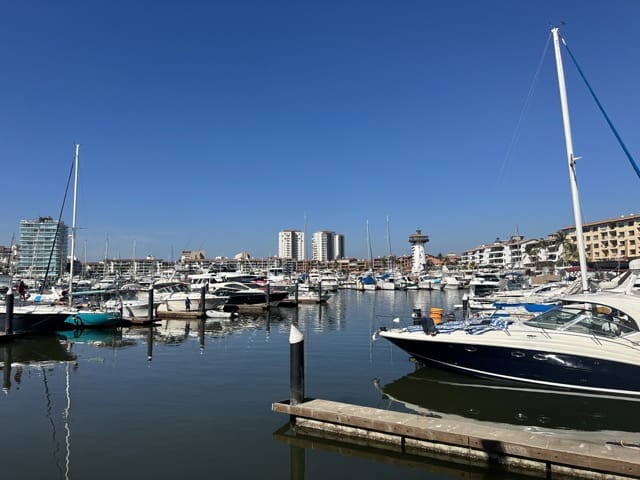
(510, 253)
(327, 245)
(291, 244)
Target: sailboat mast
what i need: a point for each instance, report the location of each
(73, 222)
(369, 247)
(571, 159)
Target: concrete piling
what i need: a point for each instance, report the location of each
(8, 326)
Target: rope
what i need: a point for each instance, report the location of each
(613, 129)
(525, 107)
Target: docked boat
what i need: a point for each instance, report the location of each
(483, 284)
(242, 294)
(591, 343)
(430, 282)
(34, 319)
(172, 297)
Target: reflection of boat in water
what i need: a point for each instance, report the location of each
(35, 349)
(436, 392)
(102, 337)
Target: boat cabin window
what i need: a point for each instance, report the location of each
(597, 322)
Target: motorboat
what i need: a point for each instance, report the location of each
(590, 343)
(242, 294)
(483, 284)
(172, 297)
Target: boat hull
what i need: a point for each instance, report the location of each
(95, 319)
(34, 322)
(534, 366)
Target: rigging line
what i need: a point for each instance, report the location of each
(525, 108)
(64, 199)
(613, 129)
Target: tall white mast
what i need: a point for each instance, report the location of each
(73, 222)
(571, 159)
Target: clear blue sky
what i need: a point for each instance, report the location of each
(215, 124)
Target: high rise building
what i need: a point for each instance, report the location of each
(338, 246)
(43, 247)
(327, 245)
(291, 244)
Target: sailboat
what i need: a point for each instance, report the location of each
(91, 314)
(590, 344)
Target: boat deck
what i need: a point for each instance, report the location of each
(421, 435)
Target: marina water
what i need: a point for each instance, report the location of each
(195, 402)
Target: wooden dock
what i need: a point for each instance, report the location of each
(419, 435)
(193, 315)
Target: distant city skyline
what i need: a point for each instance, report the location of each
(212, 125)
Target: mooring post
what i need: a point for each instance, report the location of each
(296, 350)
(8, 326)
(150, 308)
(465, 307)
(296, 293)
(203, 311)
(319, 291)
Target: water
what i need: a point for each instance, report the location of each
(196, 402)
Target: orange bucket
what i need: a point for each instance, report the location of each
(436, 314)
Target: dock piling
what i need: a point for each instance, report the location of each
(150, 309)
(203, 309)
(296, 350)
(8, 327)
(465, 307)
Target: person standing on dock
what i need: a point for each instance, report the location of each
(187, 304)
(22, 290)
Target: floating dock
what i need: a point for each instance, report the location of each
(413, 434)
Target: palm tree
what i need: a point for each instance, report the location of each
(569, 248)
(532, 250)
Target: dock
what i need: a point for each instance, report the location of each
(193, 315)
(419, 435)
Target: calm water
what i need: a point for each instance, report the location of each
(196, 403)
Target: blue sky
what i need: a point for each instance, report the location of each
(213, 125)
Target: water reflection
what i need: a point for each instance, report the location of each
(439, 393)
(30, 352)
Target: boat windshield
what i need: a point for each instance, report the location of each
(599, 321)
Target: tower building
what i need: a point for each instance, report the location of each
(291, 244)
(417, 241)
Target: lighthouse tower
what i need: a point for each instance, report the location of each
(417, 241)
